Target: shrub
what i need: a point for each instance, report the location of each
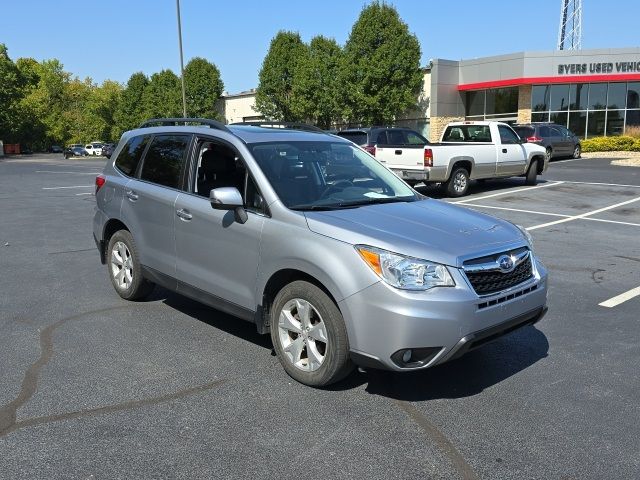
(611, 144)
(632, 131)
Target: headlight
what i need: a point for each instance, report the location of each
(527, 235)
(403, 272)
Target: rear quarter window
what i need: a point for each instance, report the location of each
(130, 155)
(359, 138)
(525, 132)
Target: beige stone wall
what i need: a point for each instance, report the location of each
(524, 104)
(438, 124)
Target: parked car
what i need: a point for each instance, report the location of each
(24, 150)
(75, 151)
(467, 151)
(107, 149)
(376, 139)
(558, 141)
(316, 242)
(93, 148)
(55, 149)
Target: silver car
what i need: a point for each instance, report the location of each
(309, 237)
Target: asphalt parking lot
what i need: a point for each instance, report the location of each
(94, 387)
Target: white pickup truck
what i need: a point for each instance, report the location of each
(467, 150)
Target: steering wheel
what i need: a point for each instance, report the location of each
(336, 187)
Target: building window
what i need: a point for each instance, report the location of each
(589, 109)
(496, 103)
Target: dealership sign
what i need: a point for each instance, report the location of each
(599, 67)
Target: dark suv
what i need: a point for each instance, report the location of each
(370, 137)
(558, 141)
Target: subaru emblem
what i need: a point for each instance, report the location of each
(505, 263)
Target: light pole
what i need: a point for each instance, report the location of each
(184, 96)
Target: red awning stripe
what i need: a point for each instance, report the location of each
(512, 82)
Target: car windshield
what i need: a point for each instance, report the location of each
(327, 175)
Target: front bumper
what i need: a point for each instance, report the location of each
(382, 320)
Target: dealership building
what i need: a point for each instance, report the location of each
(592, 92)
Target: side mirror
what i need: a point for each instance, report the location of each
(522, 140)
(228, 198)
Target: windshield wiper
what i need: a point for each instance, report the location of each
(373, 201)
(305, 207)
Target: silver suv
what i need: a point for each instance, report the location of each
(309, 237)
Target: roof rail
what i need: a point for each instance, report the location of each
(291, 125)
(173, 121)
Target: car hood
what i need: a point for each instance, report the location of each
(428, 229)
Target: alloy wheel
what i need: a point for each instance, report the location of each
(121, 265)
(302, 334)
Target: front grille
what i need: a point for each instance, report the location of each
(492, 281)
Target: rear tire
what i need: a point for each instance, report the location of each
(309, 335)
(549, 153)
(532, 173)
(124, 267)
(458, 183)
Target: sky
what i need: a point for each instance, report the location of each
(111, 39)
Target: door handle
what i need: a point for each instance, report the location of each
(398, 152)
(131, 195)
(184, 214)
(504, 150)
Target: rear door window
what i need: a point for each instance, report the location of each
(130, 155)
(544, 132)
(164, 161)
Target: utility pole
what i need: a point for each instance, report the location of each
(184, 95)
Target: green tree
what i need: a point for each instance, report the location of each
(380, 71)
(315, 85)
(203, 87)
(47, 102)
(274, 95)
(130, 111)
(10, 94)
(163, 96)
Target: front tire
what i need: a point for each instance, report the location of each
(458, 183)
(309, 335)
(124, 267)
(532, 173)
(577, 151)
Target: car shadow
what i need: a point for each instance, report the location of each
(222, 321)
(473, 373)
(467, 376)
(476, 187)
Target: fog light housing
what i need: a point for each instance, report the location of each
(414, 357)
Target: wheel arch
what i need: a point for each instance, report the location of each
(461, 161)
(274, 284)
(112, 226)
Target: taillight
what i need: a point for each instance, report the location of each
(534, 139)
(100, 181)
(428, 157)
(370, 149)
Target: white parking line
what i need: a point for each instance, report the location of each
(90, 193)
(71, 173)
(75, 186)
(583, 215)
(506, 192)
(516, 210)
(623, 297)
(604, 184)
